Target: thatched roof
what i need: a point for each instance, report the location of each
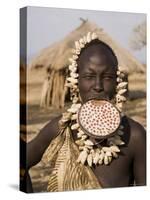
(57, 54)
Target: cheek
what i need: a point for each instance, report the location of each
(84, 88)
(84, 85)
(110, 87)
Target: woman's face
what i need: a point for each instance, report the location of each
(97, 75)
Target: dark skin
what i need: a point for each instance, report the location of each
(97, 79)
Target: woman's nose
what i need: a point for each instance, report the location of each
(98, 87)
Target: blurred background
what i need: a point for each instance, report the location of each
(51, 33)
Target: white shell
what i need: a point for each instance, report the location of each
(101, 158)
(92, 151)
(71, 60)
(66, 115)
(122, 85)
(105, 149)
(120, 132)
(74, 63)
(89, 147)
(100, 161)
(88, 37)
(74, 87)
(73, 50)
(74, 117)
(72, 80)
(75, 99)
(119, 80)
(118, 72)
(82, 157)
(119, 106)
(82, 45)
(72, 110)
(83, 148)
(94, 36)
(74, 57)
(114, 149)
(74, 75)
(77, 51)
(115, 155)
(108, 153)
(106, 162)
(77, 44)
(121, 75)
(96, 158)
(84, 137)
(118, 142)
(109, 159)
(120, 98)
(89, 160)
(63, 120)
(122, 69)
(81, 41)
(122, 91)
(80, 133)
(79, 142)
(75, 126)
(98, 151)
(102, 152)
(72, 67)
(88, 142)
(77, 105)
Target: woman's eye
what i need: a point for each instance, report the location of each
(89, 76)
(107, 77)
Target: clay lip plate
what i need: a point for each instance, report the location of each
(98, 103)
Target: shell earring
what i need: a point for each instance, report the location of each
(121, 88)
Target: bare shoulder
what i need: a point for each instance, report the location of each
(50, 130)
(38, 145)
(137, 135)
(137, 130)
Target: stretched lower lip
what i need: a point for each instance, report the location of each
(99, 97)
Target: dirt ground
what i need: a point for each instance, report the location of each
(38, 117)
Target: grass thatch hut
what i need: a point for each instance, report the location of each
(57, 56)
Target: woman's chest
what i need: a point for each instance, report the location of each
(118, 173)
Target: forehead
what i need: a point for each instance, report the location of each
(96, 57)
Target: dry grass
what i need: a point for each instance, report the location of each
(137, 81)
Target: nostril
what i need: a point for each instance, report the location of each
(98, 86)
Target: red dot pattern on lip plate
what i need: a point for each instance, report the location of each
(99, 117)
